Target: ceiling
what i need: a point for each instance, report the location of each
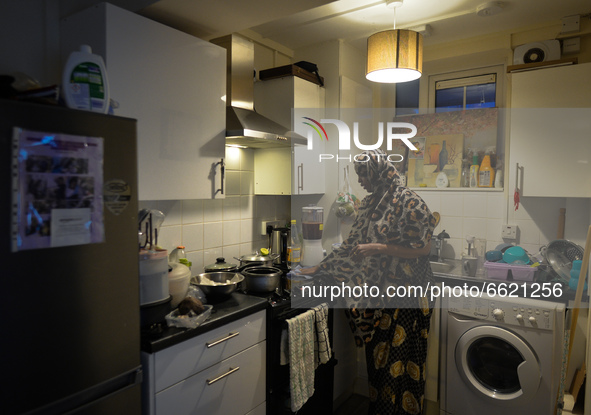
(296, 24)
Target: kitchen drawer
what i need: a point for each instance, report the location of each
(189, 357)
(237, 393)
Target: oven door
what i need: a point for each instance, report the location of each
(498, 365)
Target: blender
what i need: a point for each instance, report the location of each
(312, 225)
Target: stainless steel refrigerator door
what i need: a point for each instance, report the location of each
(70, 314)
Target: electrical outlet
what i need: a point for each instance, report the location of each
(509, 232)
(265, 223)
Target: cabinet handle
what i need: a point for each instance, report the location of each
(220, 377)
(223, 171)
(228, 337)
(301, 177)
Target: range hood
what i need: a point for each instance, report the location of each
(244, 126)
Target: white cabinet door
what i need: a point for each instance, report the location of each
(173, 84)
(550, 131)
(232, 387)
(286, 100)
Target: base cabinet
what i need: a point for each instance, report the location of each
(220, 372)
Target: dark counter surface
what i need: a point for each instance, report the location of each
(233, 308)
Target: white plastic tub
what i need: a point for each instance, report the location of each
(178, 282)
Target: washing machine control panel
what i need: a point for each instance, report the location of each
(520, 312)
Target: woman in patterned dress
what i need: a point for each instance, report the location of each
(388, 246)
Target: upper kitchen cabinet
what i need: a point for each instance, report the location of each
(550, 123)
(174, 85)
(276, 99)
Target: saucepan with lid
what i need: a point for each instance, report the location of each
(257, 259)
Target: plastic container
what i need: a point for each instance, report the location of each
(503, 271)
(474, 168)
(294, 248)
(84, 81)
(575, 272)
(153, 276)
(177, 253)
(486, 174)
(178, 282)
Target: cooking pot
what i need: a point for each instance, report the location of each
(261, 279)
(257, 260)
(221, 265)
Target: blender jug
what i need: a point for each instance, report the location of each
(312, 226)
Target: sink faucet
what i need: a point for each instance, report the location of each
(439, 240)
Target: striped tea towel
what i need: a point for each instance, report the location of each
(301, 358)
(322, 350)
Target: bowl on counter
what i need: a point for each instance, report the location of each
(516, 255)
(217, 284)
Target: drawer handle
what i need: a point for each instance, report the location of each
(228, 337)
(220, 377)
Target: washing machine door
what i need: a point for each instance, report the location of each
(498, 365)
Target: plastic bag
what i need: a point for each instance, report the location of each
(187, 321)
(347, 204)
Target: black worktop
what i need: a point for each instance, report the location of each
(233, 308)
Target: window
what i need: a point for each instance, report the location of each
(466, 93)
(407, 98)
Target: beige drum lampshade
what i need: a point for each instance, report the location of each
(394, 56)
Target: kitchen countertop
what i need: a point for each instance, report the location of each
(532, 289)
(235, 307)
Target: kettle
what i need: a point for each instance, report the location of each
(278, 244)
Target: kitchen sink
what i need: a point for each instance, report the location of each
(441, 267)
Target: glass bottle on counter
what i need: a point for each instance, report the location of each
(294, 248)
(465, 178)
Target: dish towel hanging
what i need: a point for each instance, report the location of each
(301, 358)
(322, 351)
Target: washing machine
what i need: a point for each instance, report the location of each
(500, 355)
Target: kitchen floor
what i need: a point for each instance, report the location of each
(355, 405)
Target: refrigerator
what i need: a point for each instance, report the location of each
(70, 290)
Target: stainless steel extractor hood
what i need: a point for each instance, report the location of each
(244, 126)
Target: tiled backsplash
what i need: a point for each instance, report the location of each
(482, 214)
(227, 227)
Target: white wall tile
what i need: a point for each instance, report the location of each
(247, 207)
(212, 235)
(212, 210)
(246, 182)
(170, 237)
(231, 208)
(432, 199)
(247, 159)
(476, 227)
(265, 207)
(196, 257)
(493, 230)
(192, 211)
(247, 229)
(232, 183)
(230, 252)
(211, 254)
(230, 232)
(475, 205)
(232, 159)
(452, 225)
(452, 204)
(193, 237)
(172, 211)
(529, 232)
(496, 205)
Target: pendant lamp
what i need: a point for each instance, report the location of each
(395, 55)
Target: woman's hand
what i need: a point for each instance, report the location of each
(309, 271)
(364, 250)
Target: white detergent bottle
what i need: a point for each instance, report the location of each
(85, 84)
